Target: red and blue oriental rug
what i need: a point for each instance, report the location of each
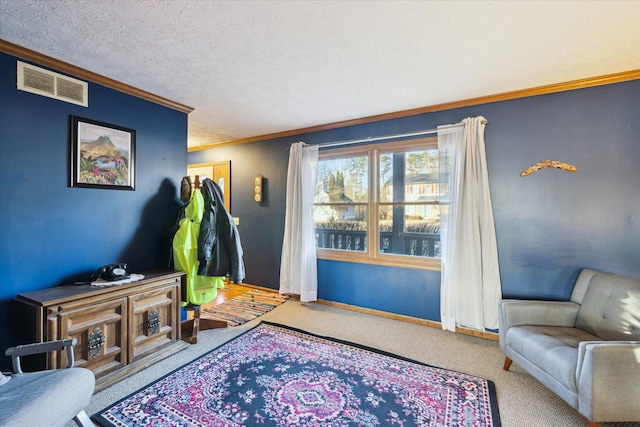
(273, 375)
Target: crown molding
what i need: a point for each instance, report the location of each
(523, 93)
(47, 61)
(64, 67)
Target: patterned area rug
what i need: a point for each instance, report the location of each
(245, 307)
(273, 375)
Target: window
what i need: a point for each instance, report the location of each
(380, 204)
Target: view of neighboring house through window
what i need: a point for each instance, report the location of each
(380, 203)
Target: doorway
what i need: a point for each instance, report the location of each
(218, 172)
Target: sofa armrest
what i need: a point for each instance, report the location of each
(42, 347)
(607, 378)
(513, 312)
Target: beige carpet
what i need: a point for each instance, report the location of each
(522, 400)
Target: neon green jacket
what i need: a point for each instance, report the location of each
(200, 289)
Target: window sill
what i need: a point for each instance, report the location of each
(386, 260)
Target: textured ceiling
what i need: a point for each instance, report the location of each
(258, 67)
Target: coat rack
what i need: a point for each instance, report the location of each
(200, 323)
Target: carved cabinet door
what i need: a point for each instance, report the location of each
(154, 323)
(100, 329)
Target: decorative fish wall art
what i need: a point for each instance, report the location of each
(548, 164)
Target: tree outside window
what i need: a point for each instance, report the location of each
(398, 221)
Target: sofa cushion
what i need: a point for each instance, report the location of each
(50, 398)
(609, 308)
(552, 349)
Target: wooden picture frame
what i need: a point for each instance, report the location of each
(102, 155)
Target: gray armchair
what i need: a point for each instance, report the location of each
(586, 350)
(45, 398)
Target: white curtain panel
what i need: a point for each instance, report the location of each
(470, 275)
(298, 267)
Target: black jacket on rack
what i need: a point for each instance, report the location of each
(219, 247)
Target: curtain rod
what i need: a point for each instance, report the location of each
(382, 138)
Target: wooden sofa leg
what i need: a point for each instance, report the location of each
(592, 424)
(507, 365)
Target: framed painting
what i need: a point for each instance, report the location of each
(102, 155)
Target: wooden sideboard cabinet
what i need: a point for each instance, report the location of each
(120, 329)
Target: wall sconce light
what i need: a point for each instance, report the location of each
(257, 189)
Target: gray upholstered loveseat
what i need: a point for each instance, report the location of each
(586, 350)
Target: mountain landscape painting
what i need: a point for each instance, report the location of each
(102, 155)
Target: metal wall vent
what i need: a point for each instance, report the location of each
(53, 85)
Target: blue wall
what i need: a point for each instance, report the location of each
(52, 234)
(549, 224)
